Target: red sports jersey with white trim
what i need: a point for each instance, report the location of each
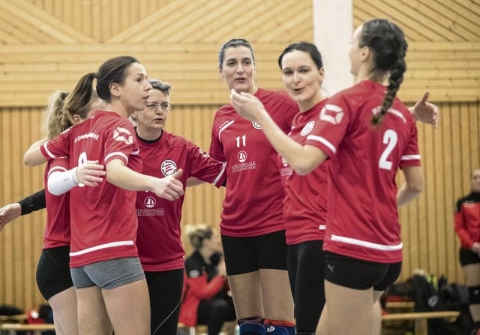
(254, 195)
(305, 204)
(103, 220)
(57, 229)
(159, 237)
(362, 220)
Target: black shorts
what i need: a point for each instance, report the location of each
(53, 271)
(249, 254)
(468, 257)
(359, 274)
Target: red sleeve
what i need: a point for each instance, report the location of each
(411, 156)
(461, 228)
(216, 146)
(205, 168)
(120, 142)
(57, 147)
(58, 165)
(203, 289)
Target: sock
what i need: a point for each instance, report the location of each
(278, 327)
(251, 326)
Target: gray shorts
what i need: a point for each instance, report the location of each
(108, 274)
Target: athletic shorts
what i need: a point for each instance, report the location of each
(53, 271)
(108, 274)
(250, 254)
(468, 257)
(359, 274)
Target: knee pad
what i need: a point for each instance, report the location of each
(474, 295)
(277, 327)
(251, 326)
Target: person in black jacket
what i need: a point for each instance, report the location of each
(207, 298)
(467, 227)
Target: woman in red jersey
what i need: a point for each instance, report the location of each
(467, 223)
(53, 272)
(159, 235)
(362, 241)
(104, 260)
(252, 227)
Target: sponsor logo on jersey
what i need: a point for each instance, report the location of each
(256, 125)
(242, 156)
(85, 136)
(284, 162)
(308, 128)
(150, 202)
(150, 212)
(168, 167)
(332, 113)
(123, 135)
(194, 274)
(286, 170)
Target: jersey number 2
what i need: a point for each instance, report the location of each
(390, 138)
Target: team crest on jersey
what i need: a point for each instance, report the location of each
(194, 274)
(284, 162)
(332, 113)
(168, 167)
(256, 125)
(242, 156)
(150, 202)
(123, 135)
(308, 128)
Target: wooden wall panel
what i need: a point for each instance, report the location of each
(47, 45)
(449, 153)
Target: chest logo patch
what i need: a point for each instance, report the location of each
(242, 156)
(150, 202)
(308, 128)
(168, 167)
(256, 125)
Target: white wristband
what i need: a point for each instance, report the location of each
(62, 182)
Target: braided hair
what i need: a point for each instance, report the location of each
(387, 43)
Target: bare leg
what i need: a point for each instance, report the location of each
(128, 307)
(92, 314)
(347, 312)
(64, 306)
(247, 294)
(377, 313)
(277, 297)
(472, 276)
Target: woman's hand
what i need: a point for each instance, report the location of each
(247, 105)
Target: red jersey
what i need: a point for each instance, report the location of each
(467, 220)
(103, 220)
(57, 230)
(305, 204)
(362, 219)
(254, 194)
(159, 237)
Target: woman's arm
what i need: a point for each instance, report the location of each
(413, 185)
(302, 159)
(88, 174)
(34, 156)
(121, 176)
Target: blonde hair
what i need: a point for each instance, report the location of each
(197, 233)
(52, 121)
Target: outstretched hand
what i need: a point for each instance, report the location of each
(425, 111)
(247, 105)
(90, 173)
(170, 187)
(9, 213)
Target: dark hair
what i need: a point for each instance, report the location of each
(307, 47)
(388, 46)
(197, 236)
(233, 43)
(113, 70)
(161, 86)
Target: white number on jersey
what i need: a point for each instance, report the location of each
(390, 138)
(241, 141)
(82, 160)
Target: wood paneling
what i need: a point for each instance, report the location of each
(48, 45)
